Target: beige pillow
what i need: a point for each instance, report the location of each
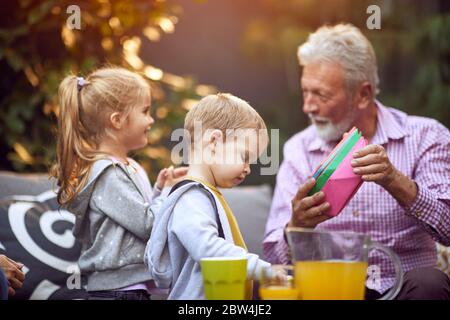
(251, 206)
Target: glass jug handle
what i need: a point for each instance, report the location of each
(393, 292)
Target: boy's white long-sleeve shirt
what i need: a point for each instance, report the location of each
(184, 231)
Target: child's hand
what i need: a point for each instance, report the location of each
(161, 179)
(173, 176)
(281, 276)
(168, 177)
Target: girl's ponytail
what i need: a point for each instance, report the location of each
(72, 150)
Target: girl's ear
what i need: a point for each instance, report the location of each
(116, 120)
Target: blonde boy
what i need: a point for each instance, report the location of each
(195, 221)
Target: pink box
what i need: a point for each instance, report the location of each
(343, 183)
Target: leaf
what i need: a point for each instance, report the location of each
(88, 64)
(9, 35)
(40, 12)
(35, 40)
(14, 59)
(24, 3)
(15, 124)
(23, 153)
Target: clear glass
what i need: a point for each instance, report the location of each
(333, 265)
(276, 282)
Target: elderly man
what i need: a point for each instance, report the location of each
(405, 201)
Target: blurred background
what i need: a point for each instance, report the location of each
(190, 48)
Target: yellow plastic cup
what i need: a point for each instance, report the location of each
(224, 277)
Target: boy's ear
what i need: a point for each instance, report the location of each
(216, 136)
(116, 120)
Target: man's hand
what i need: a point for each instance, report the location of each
(13, 273)
(308, 211)
(372, 164)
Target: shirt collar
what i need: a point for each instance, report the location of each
(319, 144)
(388, 127)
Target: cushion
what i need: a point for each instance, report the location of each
(48, 248)
(34, 232)
(251, 206)
(23, 183)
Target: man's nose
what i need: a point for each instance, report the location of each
(309, 105)
(152, 121)
(247, 169)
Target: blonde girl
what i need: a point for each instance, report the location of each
(102, 118)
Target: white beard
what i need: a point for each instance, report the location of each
(330, 131)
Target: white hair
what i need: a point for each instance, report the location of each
(346, 45)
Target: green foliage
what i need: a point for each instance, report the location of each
(412, 48)
(431, 89)
(37, 49)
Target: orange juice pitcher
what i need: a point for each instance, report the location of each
(333, 265)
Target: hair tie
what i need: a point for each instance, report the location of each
(80, 83)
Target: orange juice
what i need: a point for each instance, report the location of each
(331, 279)
(278, 293)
